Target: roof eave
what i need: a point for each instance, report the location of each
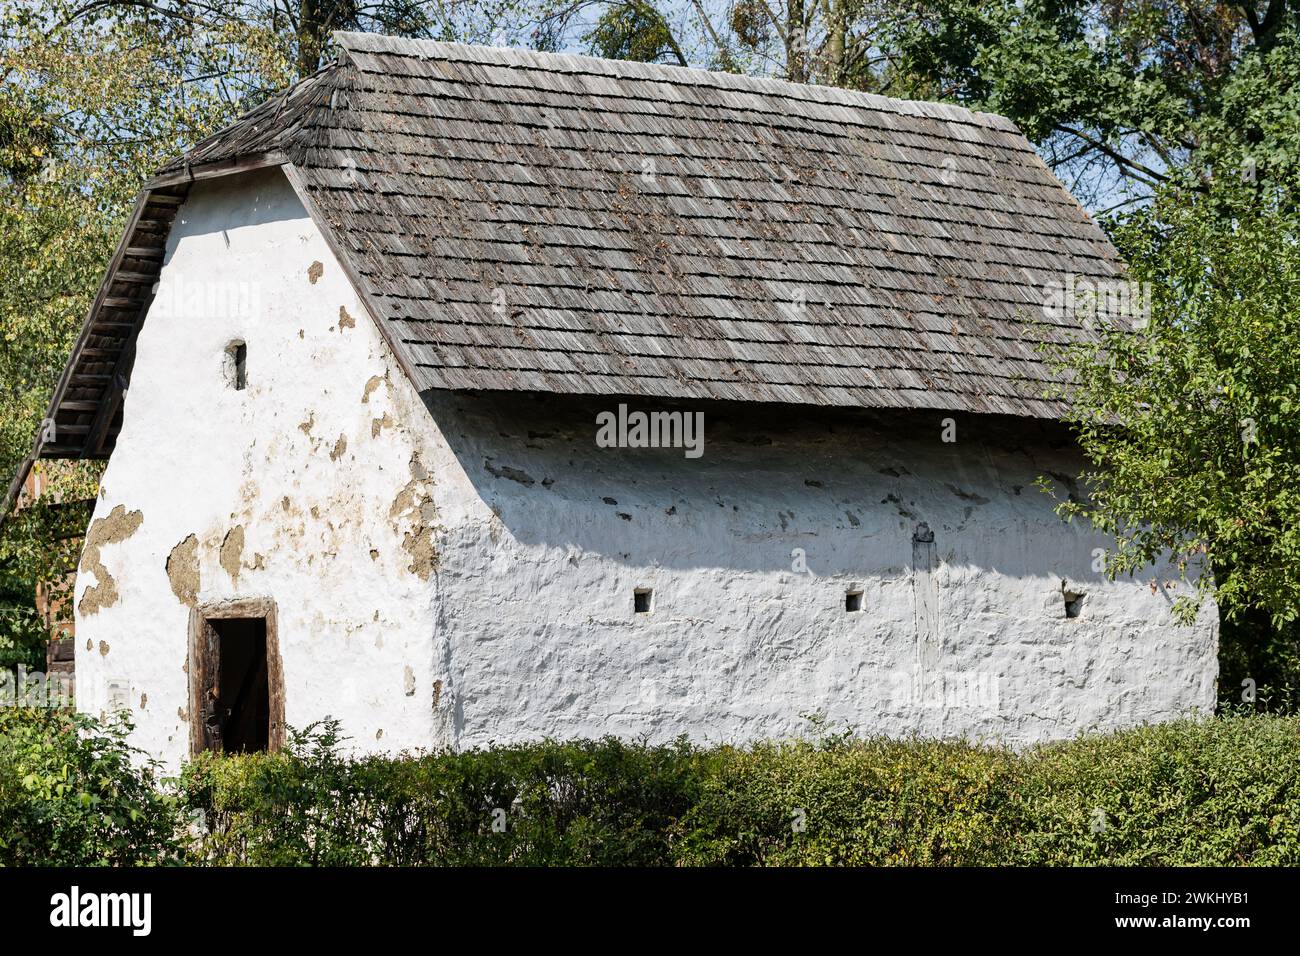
(82, 424)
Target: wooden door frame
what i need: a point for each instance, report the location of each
(200, 664)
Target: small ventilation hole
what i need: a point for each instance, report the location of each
(641, 600)
(1073, 603)
(237, 365)
(852, 601)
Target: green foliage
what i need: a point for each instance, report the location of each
(1212, 792)
(634, 30)
(1259, 664)
(41, 542)
(74, 793)
(1194, 792)
(1121, 97)
(22, 632)
(1187, 793)
(873, 802)
(585, 802)
(1207, 793)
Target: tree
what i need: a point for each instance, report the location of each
(635, 30)
(834, 42)
(1122, 96)
(1190, 421)
(1179, 122)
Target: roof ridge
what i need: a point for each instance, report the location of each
(352, 41)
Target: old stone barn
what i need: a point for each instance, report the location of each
(474, 395)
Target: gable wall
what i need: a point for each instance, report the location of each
(304, 488)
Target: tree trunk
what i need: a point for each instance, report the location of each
(796, 43)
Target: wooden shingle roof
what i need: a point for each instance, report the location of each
(538, 222)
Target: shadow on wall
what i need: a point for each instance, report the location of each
(261, 196)
(851, 489)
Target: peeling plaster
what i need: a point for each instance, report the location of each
(414, 515)
(183, 570)
(113, 529)
(232, 552)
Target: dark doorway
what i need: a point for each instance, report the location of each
(243, 704)
(235, 684)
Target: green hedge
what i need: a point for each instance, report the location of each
(1223, 791)
(586, 802)
(1215, 792)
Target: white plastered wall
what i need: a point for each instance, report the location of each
(750, 551)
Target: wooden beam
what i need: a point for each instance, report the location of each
(16, 486)
(98, 430)
(224, 167)
(139, 278)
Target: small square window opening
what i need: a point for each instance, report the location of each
(1073, 603)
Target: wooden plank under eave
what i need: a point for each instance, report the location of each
(109, 408)
(223, 167)
(136, 278)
